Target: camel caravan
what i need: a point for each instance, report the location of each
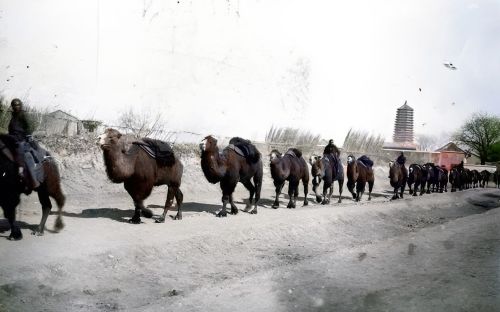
(148, 163)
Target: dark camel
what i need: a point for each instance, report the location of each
(241, 162)
(485, 178)
(290, 167)
(11, 189)
(416, 178)
(358, 174)
(322, 169)
(397, 179)
(139, 173)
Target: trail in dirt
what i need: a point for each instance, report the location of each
(405, 255)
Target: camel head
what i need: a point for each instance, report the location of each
(209, 143)
(275, 154)
(313, 159)
(317, 166)
(109, 137)
(350, 159)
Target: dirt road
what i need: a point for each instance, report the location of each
(439, 252)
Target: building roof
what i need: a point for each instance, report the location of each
(450, 147)
(406, 106)
(406, 146)
(60, 112)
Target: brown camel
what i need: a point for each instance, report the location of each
(359, 171)
(11, 188)
(139, 172)
(323, 169)
(290, 167)
(397, 178)
(241, 162)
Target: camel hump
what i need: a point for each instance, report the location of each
(366, 161)
(295, 151)
(159, 150)
(249, 150)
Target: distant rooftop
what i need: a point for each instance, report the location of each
(450, 147)
(406, 106)
(400, 146)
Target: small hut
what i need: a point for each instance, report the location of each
(60, 122)
(450, 154)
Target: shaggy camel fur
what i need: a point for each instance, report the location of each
(139, 173)
(11, 189)
(230, 167)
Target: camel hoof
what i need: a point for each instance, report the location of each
(234, 211)
(178, 217)
(134, 221)
(253, 211)
(146, 213)
(221, 214)
(318, 199)
(306, 203)
(160, 220)
(325, 202)
(275, 205)
(36, 233)
(59, 225)
(339, 201)
(15, 236)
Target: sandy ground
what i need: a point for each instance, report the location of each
(438, 252)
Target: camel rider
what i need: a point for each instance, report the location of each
(21, 130)
(331, 149)
(401, 161)
(333, 153)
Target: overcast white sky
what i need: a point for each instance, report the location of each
(232, 68)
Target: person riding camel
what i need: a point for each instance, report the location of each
(20, 129)
(331, 149)
(401, 161)
(332, 152)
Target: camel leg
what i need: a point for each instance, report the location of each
(341, 186)
(251, 188)
(234, 209)
(330, 192)
(350, 188)
(136, 218)
(326, 188)
(410, 191)
(315, 188)
(227, 191)
(278, 189)
(292, 193)
(168, 203)
(179, 198)
(53, 183)
(257, 180)
(370, 188)
(360, 189)
(305, 182)
(9, 211)
(43, 197)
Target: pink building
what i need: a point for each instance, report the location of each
(450, 154)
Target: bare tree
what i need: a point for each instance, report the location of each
(479, 133)
(426, 142)
(362, 141)
(143, 124)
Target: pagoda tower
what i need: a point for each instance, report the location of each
(403, 125)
